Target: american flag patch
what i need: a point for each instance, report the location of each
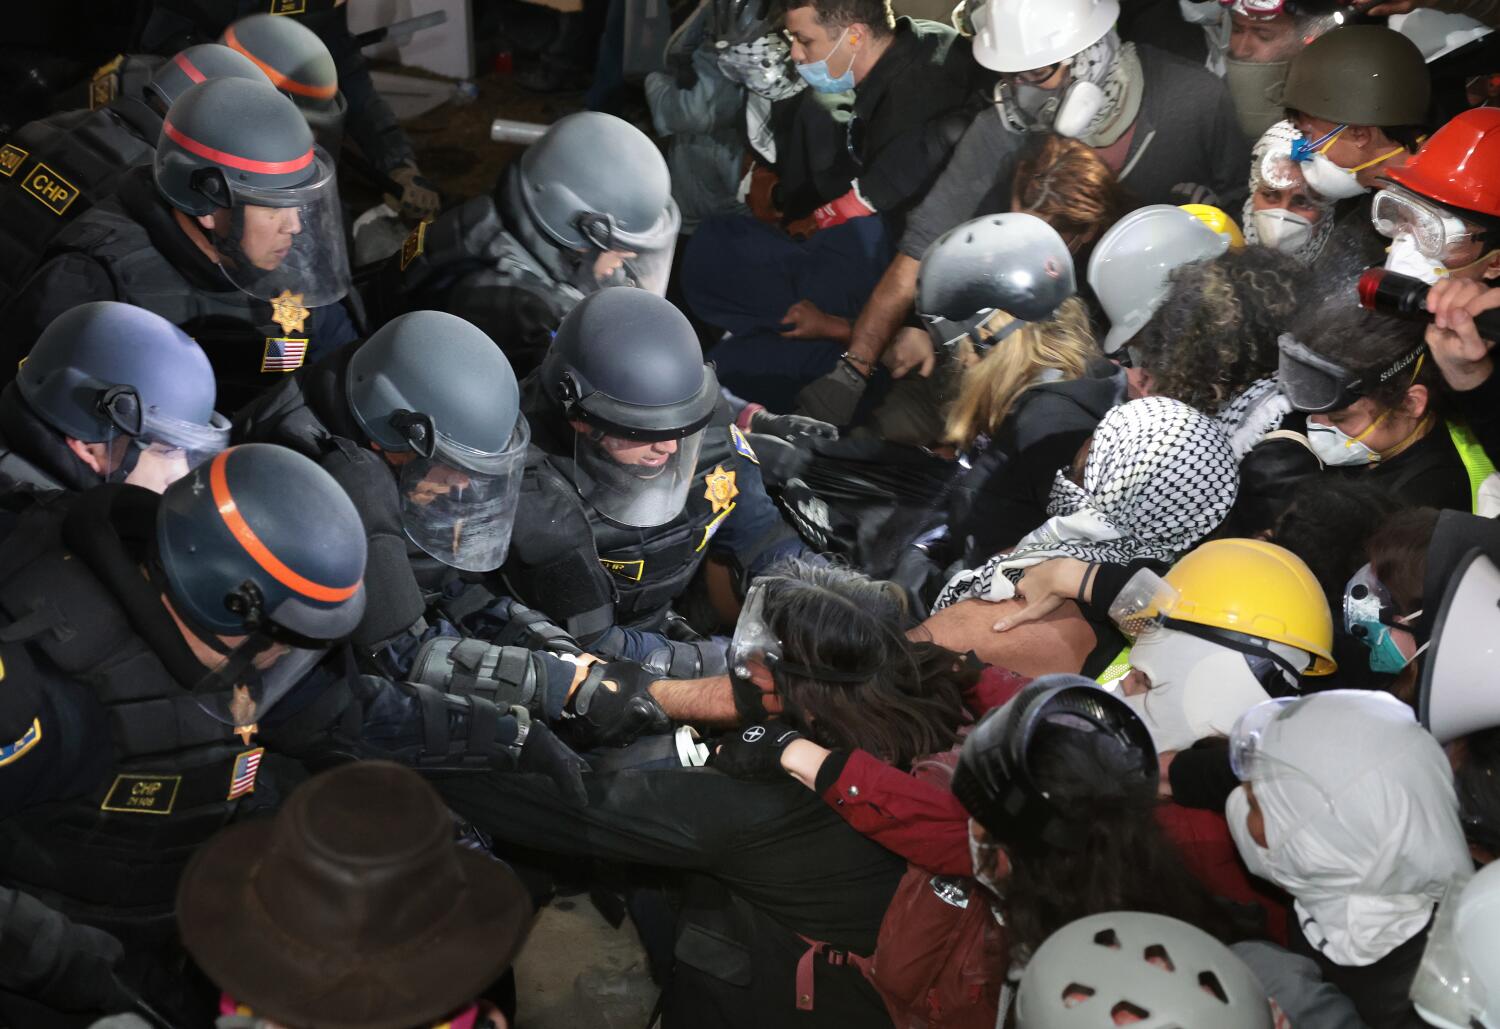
(242, 779)
(285, 354)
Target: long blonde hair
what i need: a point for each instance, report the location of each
(989, 389)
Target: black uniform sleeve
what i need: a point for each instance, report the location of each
(1480, 408)
(57, 286)
(976, 180)
(49, 958)
(55, 743)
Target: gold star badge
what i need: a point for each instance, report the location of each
(721, 489)
(288, 312)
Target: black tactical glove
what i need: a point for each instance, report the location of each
(515, 625)
(835, 396)
(791, 427)
(544, 754)
(754, 752)
(613, 706)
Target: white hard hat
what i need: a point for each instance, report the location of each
(1019, 35)
(1129, 269)
(1457, 985)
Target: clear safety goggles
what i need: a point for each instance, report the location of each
(1247, 739)
(1445, 990)
(1257, 10)
(1147, 604)
(288, 244)
(616, 257)
(459, 505)
(754, 641)
(1437, 233)
(1368, 605)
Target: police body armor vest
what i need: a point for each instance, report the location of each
(233, 328)
(54, 169)
(644, 570)
(113, 856)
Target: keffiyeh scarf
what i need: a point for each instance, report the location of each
(1159, 477)
(1271, 165)
(1248, 417)
(763, 66)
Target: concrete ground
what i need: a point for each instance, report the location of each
(576, 972)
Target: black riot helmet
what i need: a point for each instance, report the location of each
(198, 63)
(298, 63)
(260, 543)
(434, 386)
(106, 371)
(596, 189)
(627, 367)
(1001, 779)
(1013, 263)
(241, 148)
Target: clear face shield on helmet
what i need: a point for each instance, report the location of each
(1147, 604)
(162, 449)
(642, 482)
(287, 241)
(615, 257)
(457, 504)
(1436, 233)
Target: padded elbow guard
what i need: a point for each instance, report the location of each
(503, 676)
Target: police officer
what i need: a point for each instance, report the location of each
(54, 169)
(588, 205)
(421, 426)
(633, 478)
(365, 114)
(235, 235)
(110, 392)
(157, 636)
(297, 63)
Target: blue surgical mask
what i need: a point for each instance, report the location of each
(817, 76)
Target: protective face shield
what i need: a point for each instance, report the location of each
(254, 676)
(636, 482)
(763, 66)
(1281, 229)
(1317, 385)
(458, 504)
(287, 240)
(1369, 616)
(163, 449)
(616, 257)
(326, 120)
(1199, 688)
(1148, 604)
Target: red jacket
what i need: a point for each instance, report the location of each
(927, 826)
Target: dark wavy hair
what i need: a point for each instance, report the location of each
(1215, 332)
(836, 618)
(1367, 342)
(1126, 864)
(1398, 555)
(840, 14)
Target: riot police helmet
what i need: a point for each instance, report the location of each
(196, 64)
(299, 64)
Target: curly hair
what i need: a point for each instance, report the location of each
(1215, 332)
(1065, 183)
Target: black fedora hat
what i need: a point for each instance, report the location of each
(353, 908)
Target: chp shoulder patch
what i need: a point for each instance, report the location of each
(741, 444)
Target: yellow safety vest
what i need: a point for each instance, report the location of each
(1476, 462)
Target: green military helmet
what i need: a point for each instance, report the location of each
(1360, 75)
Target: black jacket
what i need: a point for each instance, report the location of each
(776, 861)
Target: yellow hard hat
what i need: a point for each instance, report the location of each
(1257, 589)
(1217, 220)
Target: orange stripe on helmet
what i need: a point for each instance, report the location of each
(188, 67)
(223, 157)
(219, 483)
(278, 79)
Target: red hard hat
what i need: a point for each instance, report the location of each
(1460, 165)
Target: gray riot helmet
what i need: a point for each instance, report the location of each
(431, 385)
(1011, 263)
(1163, 971)
(597, 189)
(627, 366)
(241, 148)
(196, 64)
(107, 372)
(260, 543)
(298, 64)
